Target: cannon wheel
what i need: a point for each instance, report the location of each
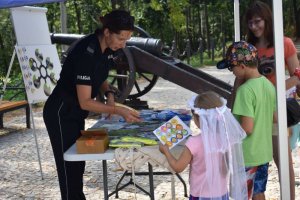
(129, 86)
(124, 78)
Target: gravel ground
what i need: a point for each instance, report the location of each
(19, 169)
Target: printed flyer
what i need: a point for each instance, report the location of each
(172, 132)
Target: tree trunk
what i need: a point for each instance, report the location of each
(187, 21)
(199, 22)
(91, 20)
(193, 29)
(3, 56)
(114, 4)
(207, 30)
(188, 28)
(78, 16)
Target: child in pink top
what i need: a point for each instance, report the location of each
(215, 154)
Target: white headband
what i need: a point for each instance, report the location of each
(221, 109)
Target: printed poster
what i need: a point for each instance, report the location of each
(40, 68)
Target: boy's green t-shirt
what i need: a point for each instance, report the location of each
(256, 99)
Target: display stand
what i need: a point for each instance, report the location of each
(37, 57)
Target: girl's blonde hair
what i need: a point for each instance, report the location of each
(207, 100)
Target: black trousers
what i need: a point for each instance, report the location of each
(64, 122)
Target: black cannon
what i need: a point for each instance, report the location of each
(138, 66)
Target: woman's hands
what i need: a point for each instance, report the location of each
(86, 103)
(128, 114)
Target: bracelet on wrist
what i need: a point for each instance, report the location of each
(297, 72)
(109, 91)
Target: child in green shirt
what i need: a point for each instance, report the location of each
(254, 107)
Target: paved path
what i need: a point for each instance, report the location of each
(19, 171)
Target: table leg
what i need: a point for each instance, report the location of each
(151, 181)
(105, 185)
(173, 187)
(118, 184)
(184, 184)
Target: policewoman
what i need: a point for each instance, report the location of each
(84, 71)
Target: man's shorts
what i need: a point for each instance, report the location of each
(261, 178)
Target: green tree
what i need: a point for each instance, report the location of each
(167, 20)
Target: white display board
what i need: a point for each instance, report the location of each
(30, 25)
(40, 68)
(38, 58)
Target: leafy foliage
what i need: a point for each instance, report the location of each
(178, 20)
(177, 17)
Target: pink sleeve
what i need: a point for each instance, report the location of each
(289, 48)
(191, 144)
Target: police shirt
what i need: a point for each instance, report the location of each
(84, 65)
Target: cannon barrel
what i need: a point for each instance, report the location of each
(144, 55)
(63, 38)
(151, 45)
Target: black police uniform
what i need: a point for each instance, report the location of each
(85, 65)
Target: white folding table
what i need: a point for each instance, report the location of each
(72, 155)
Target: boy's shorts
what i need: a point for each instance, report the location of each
(261, 178)
(250, 173)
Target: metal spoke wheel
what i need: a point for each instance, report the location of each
(143, 84)
(130, 82)
(124, 77)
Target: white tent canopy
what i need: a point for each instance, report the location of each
(17, 3)
(281, 100)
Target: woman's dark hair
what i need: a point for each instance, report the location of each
(117, 20)
(262, 10)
